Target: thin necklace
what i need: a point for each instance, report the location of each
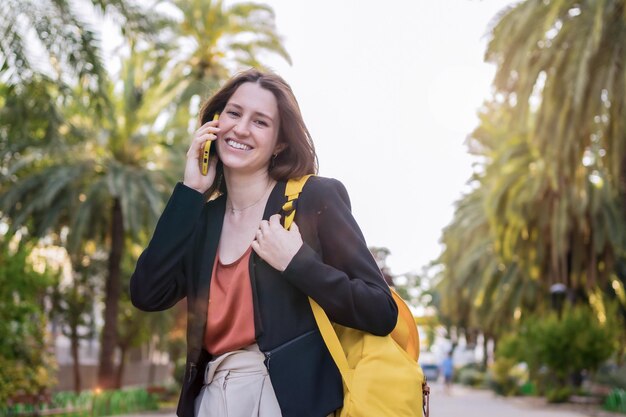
(233, 210)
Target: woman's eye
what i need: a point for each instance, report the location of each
(262, 123)
(233, 113)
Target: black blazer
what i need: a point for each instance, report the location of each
(333, 266)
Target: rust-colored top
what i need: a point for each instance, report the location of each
(230, 318)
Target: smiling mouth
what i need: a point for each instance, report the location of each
(237, 145)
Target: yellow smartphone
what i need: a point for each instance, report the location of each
(206, 151)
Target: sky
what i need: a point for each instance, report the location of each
(390, 91)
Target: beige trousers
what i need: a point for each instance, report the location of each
(236, 384)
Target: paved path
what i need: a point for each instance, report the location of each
(465, 402)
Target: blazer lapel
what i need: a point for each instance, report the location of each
(275, 201)
(205, 253)
(210, 242)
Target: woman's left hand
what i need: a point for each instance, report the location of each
(276, 245)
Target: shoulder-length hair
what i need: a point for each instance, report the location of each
(298, 156)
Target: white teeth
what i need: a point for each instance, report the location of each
(237, 145)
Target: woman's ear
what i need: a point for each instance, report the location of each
(279, 148)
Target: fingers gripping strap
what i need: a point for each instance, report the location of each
(292, 191)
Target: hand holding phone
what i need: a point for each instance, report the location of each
(206, 150)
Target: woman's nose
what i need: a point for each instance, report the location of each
(240, 128)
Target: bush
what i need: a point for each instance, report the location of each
(506, 376)
(117, 402)
(26, 363)
(576, 342)
(528, 388)
(470, 376)
(616, 401)
(90, 404)
(559, 394)
(556, 349)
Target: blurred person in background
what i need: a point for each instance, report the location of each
(447, 369)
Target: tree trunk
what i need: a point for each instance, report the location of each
(106, 372)
(151, 374)
(485, 350)
(120, 369)
(152, 366)
(75, 345)
(471, 337)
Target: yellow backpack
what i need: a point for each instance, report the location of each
(381, 376)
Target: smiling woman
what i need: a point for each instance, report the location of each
(248, 131)
(246, 278)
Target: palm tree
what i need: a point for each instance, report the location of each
(55, 40)
(101, 172)
(216, 40)
(107, 181)
(548, 201)
(561, 70)
(477, 290)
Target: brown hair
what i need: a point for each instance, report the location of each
(298, 157)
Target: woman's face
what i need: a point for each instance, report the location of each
(248, 129)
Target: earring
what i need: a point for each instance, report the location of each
(273, 161)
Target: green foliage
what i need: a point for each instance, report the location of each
(72, 304)
(26, 365)
(564, 346)
(471, 376)
(528, 388)
(123, 401)
(576, 342)
(105, 178)
(227, 37)
(29, 116)
(91, 404)
(548, 195)
(90, 157)
(616, 401)
(506, 377)
(559, 394)
(477, 289)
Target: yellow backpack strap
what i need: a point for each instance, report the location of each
(332, 343)
(292, 192)
(405, 333)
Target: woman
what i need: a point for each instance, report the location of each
(253, 347)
